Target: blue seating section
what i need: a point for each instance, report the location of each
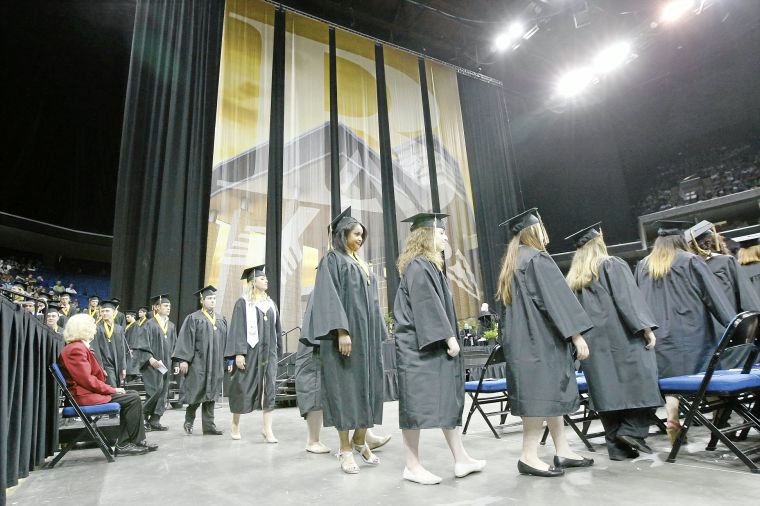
(489, 385)
(580, 378)
(722, 381)
(98, 409)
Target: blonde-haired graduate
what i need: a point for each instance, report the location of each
(684, 297)
(749, 258)
(253, 348)
(621, 370)
(542, 322)
(430, 368)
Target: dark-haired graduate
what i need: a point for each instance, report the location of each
(130, 334)
(542, 322)
(253, 348)
(153, 354)
(621, 369)
(199, 356)
(110, 345)
(430, 367)
(684, 296)
(343, 318)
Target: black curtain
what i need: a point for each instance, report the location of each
(161, 222)
(28, 395)
(429, 144)
(495, 187)
(335, 206)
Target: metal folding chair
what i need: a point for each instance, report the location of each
(488, 391)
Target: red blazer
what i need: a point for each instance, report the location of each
(84, 375)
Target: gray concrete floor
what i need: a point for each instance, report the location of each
(205, 470)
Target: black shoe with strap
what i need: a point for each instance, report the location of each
(636, 443)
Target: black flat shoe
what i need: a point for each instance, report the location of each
(158, 427)
(635, 443)
(188, 428)
(524, 468)
(565, 463)
(620, 452)
(212, 432)
(145, 444)
(130, 450)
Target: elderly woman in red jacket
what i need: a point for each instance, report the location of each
(86, 380)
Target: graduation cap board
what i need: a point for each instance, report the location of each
(521, 221)
(428, 220)
(672, 227)
(747, 241)
(105, 304)
(160, 299)
(206, 291)
(130, 312)
(584, 235)
(336, 222)
(253, 272)
(143, 308)
(53, 308)
(698, 230)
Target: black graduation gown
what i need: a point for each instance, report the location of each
(684, 303)
(256, 386)
(753, 273)
(201, 345)
(345, 298)
(120, 319)
(63, 318)
(430, 382)
(537, 330)
(152, 342)
(308, 379)
(621, 372)
(111, 353)
(131, 332)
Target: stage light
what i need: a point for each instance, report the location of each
(612, 57)
(675, 9)
(506, 38)
(574, 82)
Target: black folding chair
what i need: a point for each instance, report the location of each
(721, 392)
(584, 416)
(89, 415)
(486, 391)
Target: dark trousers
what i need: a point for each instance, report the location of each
(207, 415)
(131, 428)
(626, 422)
(155, 405)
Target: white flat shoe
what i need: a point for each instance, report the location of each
(235, 432)
(374, 444)
(372, 460)
(347, 462)
(425, 478)
(318, 448)
(462, 470)
(269, 439)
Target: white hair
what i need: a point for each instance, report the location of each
(80, 327)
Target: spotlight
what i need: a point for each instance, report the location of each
(506, 38)
(574, 82)
(612, 57)
(675, 9)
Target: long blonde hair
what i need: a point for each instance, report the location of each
(749, 255)
(421, 243)
(660, 260)
(585, 266)
(533, 236)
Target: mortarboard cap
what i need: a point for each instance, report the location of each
(116, 301)
(160, 299)
(108, 303)
(584, 235)
(53, 307)
(522, 221)
(93, 297)
(747, 241)
(672, 227)
(429, 220)
(346, 213)
(253, 272)
(143, 308)
(206, 291)
(19, 281)
(698, 230)
(130, 311)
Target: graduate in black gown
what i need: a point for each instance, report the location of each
(119, 318)
(429, 365)
(254, 346)
(130, 333)
(542, 323)
(153, 354)
(343, 317)
(110, 345)
(684, 296)
(66, 310)
(199, 357)
(621, 369)
(52, 316)
(749, 258)
(93, 308)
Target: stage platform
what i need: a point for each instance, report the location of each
(205, 470)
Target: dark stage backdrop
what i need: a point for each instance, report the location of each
(28, 395)
(166, 151)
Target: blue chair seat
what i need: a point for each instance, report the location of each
(489, 385)
(580, 378)
(97, 409)
(719, 383)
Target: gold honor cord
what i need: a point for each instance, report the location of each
(109, 330)
(129, 325)
(211, 318)
(142, 320)
(164, 328)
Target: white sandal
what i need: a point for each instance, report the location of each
(372, 460)
(347, 462)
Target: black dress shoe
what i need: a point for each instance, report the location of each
(619, 451)
(145, 444)
(212, 432)
(158, 427)
(147, 426)
(565, 463)
(636, 443)
(129, 450)
(524, 468)
(188, 428)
